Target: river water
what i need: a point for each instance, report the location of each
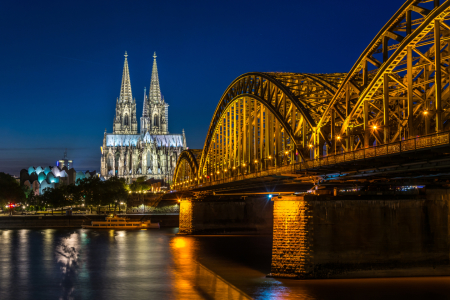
(158, 264)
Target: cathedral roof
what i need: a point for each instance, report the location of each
(161, 140)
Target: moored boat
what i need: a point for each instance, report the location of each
(116, 222)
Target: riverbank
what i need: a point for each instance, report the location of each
(49, 221)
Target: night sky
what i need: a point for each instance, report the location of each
(61, 62)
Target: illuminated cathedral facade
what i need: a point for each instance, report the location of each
(151, 152)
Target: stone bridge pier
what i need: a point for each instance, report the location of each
(361, 236)
(225, 214)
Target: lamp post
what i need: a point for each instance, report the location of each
(335, 143)
(286, 154)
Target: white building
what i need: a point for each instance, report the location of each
(152, 152)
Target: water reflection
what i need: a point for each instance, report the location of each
(157, 264)
(192, 280)
(66, 254)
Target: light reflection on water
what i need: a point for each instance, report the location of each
(157, 264)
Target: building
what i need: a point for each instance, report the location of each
(65, 162)
(152, 151)
(38, 178)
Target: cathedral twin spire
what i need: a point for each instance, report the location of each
(155, 111)
(125, 89)
(155, 91)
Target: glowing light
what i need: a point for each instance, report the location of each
(234, 168)
(179, 243)
(310, 145)
(286, 152)
(243, 164)
(226, 170)
(374, 127)
(270, 196)
(256, 161)
(270, 157)
(425, 112)
(338, 137)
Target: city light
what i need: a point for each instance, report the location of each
(338, 137)
(374, 127)
(425, 112)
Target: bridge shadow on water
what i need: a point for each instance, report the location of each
(235, 267)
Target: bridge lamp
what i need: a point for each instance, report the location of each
(338, 137)
(374, 127)
(425, 112)
(270, 196)
(310, 146)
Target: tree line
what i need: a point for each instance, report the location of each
(90, 193)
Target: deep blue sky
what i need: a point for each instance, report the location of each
(61, 62)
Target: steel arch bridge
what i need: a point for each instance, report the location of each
(396, 96)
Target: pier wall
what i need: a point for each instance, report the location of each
(335, 237)
(215, 215)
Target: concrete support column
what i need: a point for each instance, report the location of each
(292, 254)
(186, 214)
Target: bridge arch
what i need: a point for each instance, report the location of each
(279, 109)
(186, 169)
(390, 94)
(398, 89)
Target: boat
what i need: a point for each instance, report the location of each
(116, 222)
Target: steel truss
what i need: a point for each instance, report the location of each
(398, 89)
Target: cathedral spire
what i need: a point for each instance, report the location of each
(145, 110)
(125, 89)
(155, 92)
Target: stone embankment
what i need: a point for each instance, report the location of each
(37, 221)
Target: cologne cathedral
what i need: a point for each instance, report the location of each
(152, 152)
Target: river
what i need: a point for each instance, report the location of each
(158, 264)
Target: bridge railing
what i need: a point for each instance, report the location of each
(428, 141)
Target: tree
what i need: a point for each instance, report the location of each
(10, 190)
(115, 190)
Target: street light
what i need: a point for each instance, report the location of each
(338, 138)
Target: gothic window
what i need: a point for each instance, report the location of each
(149, 160)
(155, 120)
(110, 162)
(125, 121)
